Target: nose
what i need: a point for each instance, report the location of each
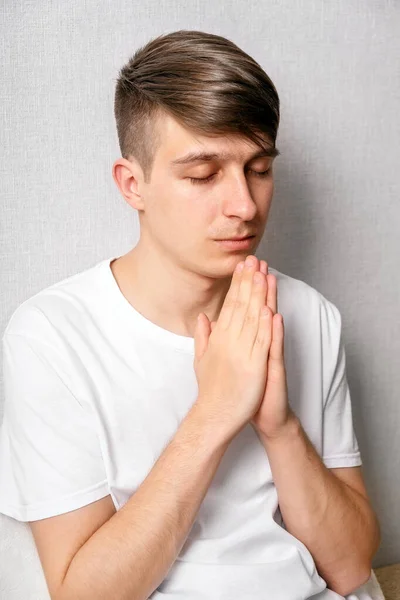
(238, 200)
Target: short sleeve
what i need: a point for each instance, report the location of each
(339, 443)
(50, 457)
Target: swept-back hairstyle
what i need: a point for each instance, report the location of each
(204, 81)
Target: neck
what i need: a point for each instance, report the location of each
(165, 290)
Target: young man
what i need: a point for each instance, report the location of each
(155, 455)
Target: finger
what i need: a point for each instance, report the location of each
(243, 297)
(271, 292)
(272, 295)
(264, 269)
(276, 352)
(226, 311)
(252, 317)
(263, 338)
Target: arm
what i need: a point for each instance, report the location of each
(334, 521)
(128, 556)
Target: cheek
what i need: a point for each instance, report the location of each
(200, 207)
(185, 208)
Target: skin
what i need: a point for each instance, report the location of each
(177, 270)
(274, 415)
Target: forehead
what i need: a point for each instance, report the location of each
(180, 146)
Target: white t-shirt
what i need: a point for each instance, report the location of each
(94, 392)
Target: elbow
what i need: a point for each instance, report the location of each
(377, 537)
(353, 582)
(354, 575)
(360, 575)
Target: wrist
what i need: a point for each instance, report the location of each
(289, 430)
(211, 431)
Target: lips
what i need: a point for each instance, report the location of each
(237, 239)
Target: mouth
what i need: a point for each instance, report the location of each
(237, 239)
(236, 244)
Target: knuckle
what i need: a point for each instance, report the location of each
(261, 341)
(229, 301)
(251, 318)
(239, 303)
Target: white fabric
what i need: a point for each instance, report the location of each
(94, 392)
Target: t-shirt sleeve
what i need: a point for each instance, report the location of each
(50, 456)
(339, 443)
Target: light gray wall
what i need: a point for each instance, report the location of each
(336, 212)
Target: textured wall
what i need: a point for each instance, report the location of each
(335, 218)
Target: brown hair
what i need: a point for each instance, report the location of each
(204, 81)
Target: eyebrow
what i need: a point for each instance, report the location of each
(199, 156)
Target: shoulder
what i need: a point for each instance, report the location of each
(298, 299)
(56, 305)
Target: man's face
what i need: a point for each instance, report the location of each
(184, 217)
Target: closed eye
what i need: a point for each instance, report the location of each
(197, 180)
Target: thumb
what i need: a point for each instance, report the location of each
(201, 335)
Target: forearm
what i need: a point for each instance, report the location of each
(331, 519)
(129, 556)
